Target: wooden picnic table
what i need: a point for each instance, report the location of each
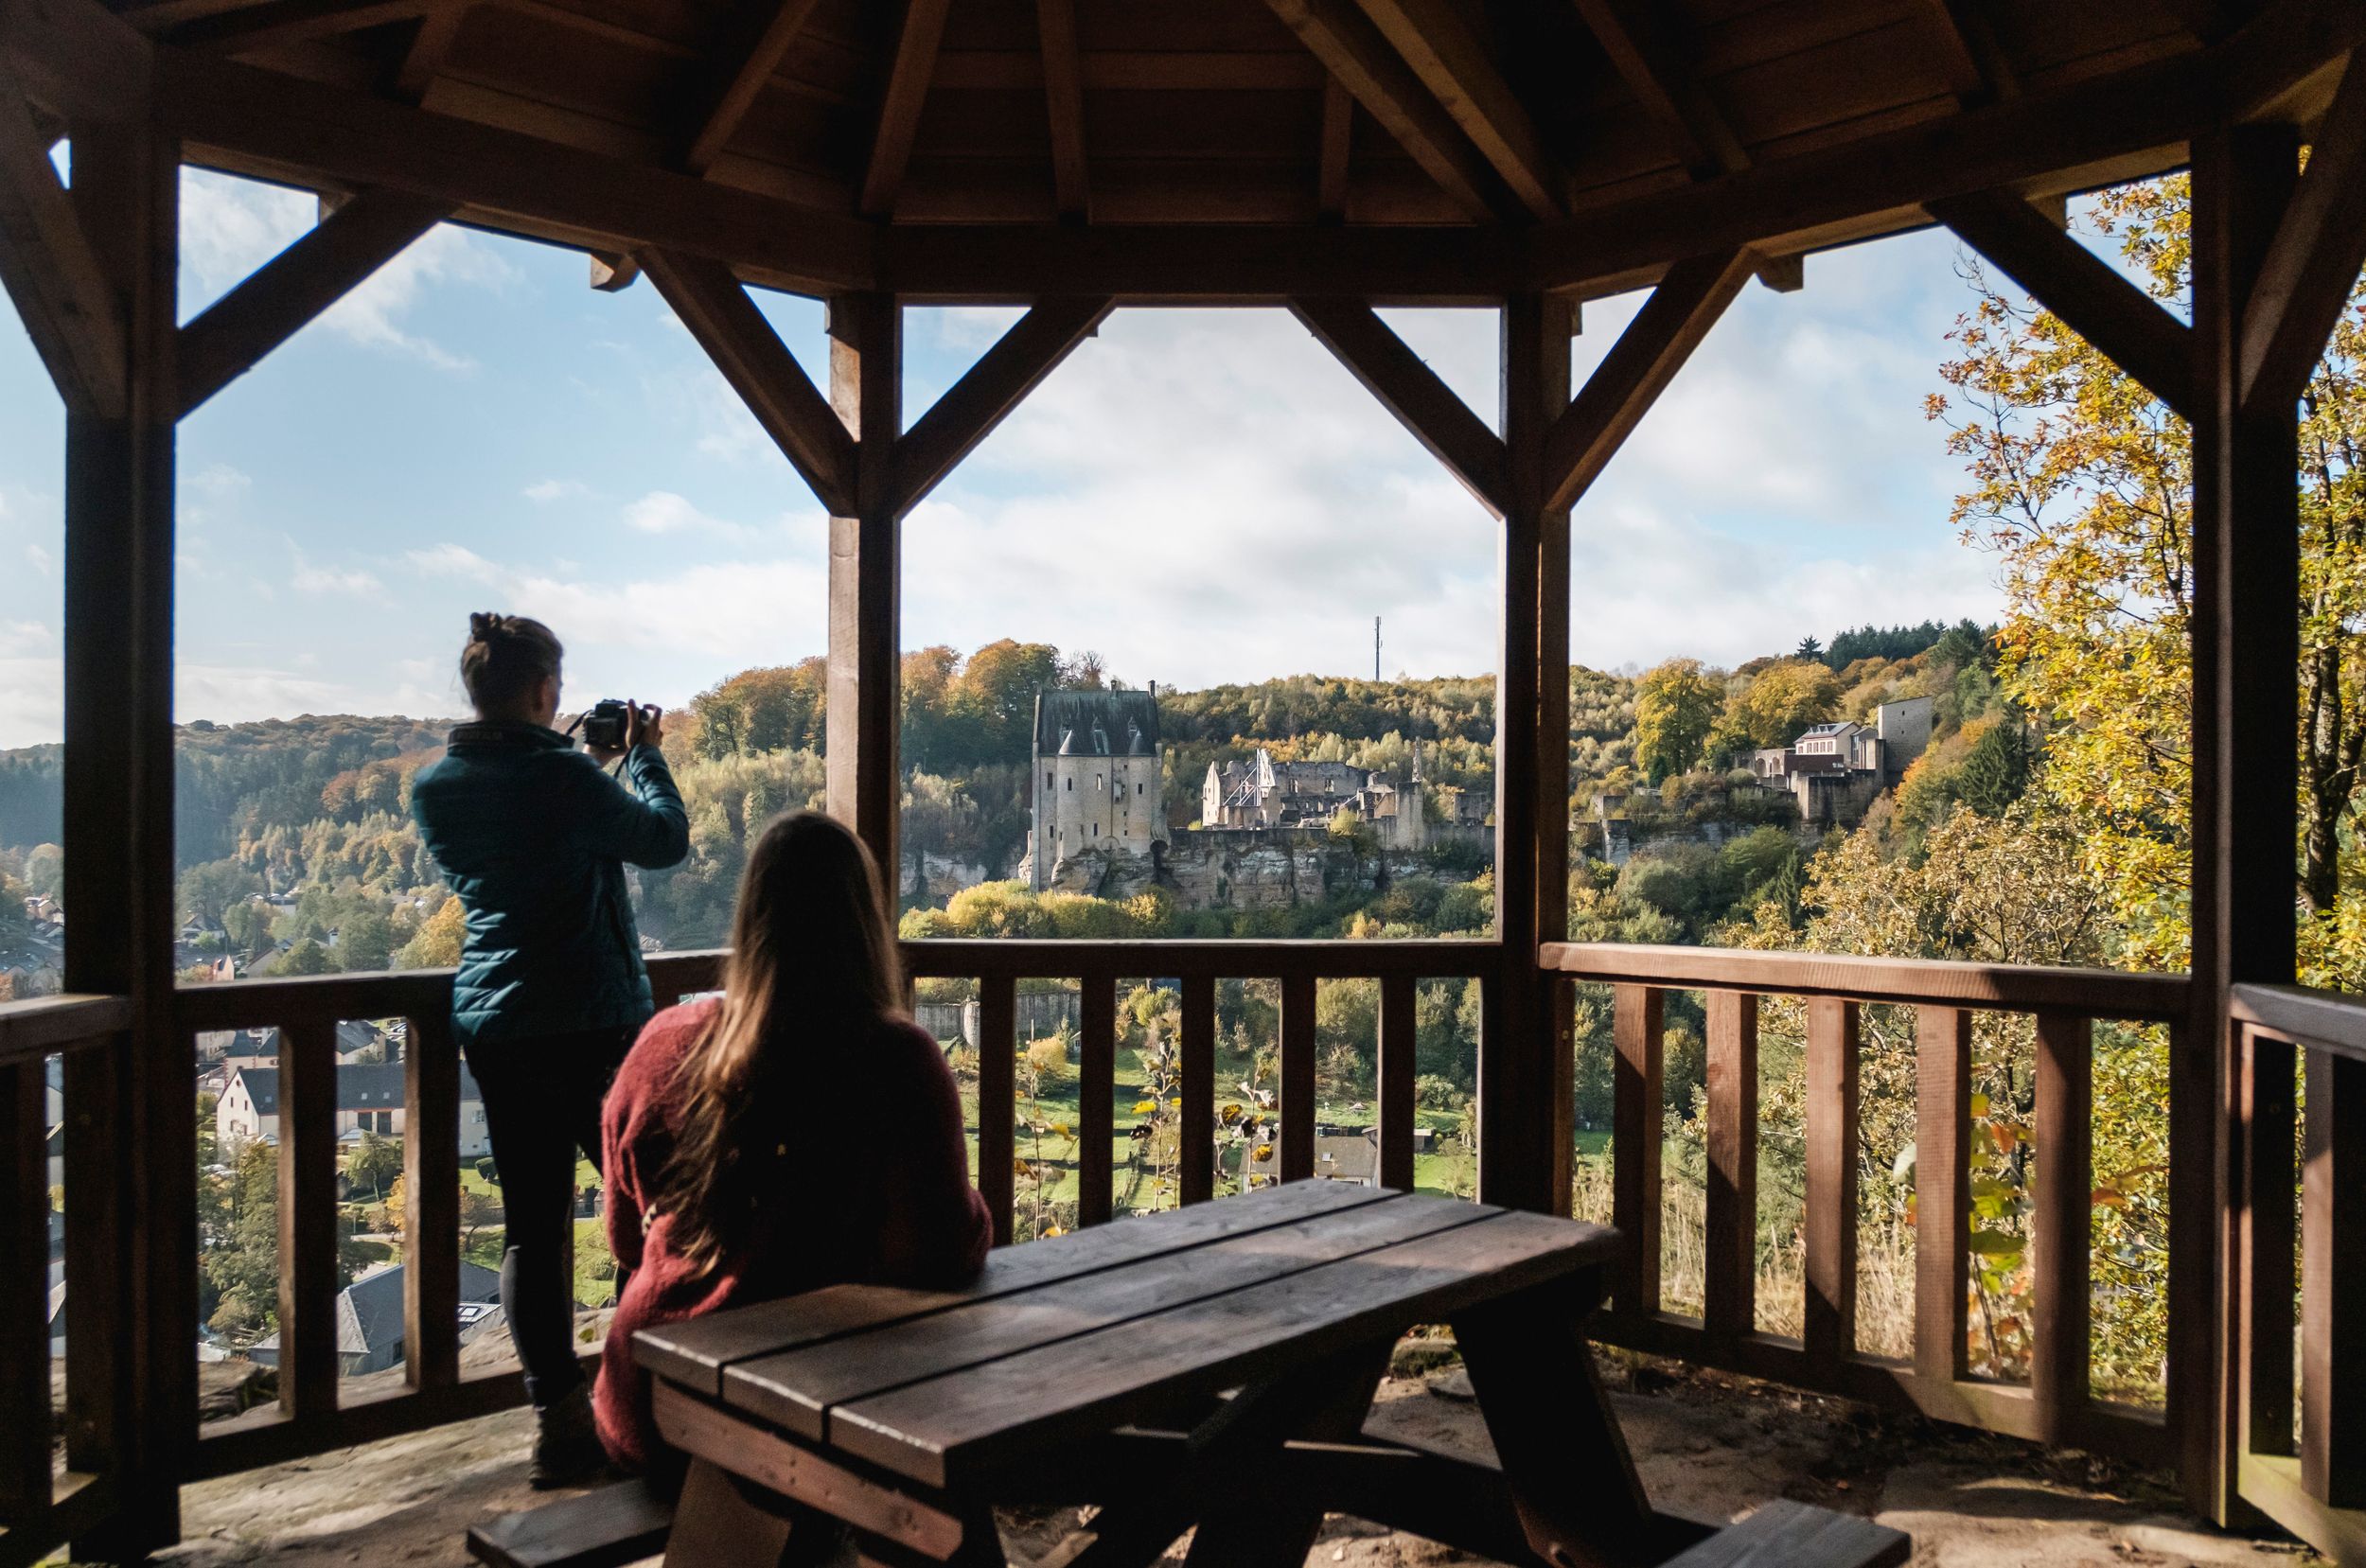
(1208, 1368)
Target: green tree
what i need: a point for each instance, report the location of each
(1674, 708)
(207, 891)
(306, 958)
(374, 1165)
(248, 924)
(437, 943)
(366, 941)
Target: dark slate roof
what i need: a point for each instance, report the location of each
(376, 1087)
(376, 1302)
(1115, 715)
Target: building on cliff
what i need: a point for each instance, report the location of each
(1262, 793)
(1836, 771)
(1097, 780)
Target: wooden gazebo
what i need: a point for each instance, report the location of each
(1077, 157)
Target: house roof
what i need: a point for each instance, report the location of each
(374, 1087)
(1071, 724)
(369, 1311)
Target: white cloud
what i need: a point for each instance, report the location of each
(32, 700)
(454, 560)
(24, 637)
(219, 481)
(664, 512)
(41, 558)
(545, 491)
(229, 227)
(315, 579)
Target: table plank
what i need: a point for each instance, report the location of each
(796, 1390)
(695, 1352)
(952, 1430)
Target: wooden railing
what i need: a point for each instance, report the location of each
(1196, 966)
(2056, 1405)
(41, 1507)
(2300, 1421)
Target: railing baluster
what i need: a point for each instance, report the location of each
(1397, 1071)
(430, 1181)
(998, 1098)
(1298, 1077)
(1641, 1030)
(1830, 1219)
(307, 1217)
(1730, 1268)
(2333, 1290)
(1196, 1135)
(2061, 1233)
(97, 1353)
(1942, 1190)
(1097, 1092)
(2263, 1256)
(23, 1294)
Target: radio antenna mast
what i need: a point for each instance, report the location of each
(1376, 650)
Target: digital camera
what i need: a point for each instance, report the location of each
(606, 725)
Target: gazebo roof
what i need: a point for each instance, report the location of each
(1420, 148)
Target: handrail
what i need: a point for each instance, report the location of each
(40, 1025)
(1024, 958)
(2323, 1020)
(2006, 987)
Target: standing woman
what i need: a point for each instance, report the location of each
(534, 836)
(799, 1132)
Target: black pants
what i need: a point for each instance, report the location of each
(542, 1104)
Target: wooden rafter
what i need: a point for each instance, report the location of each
(1335, 149)
(280, 21)
(751, 50)
(1406, 387)
(2096, 302)
(2313, 263)
(1063, 98)
(711, 302)
(52, 272)
(1635, 38)
(906, 92)
(76, 59)
(1638, 367)
(1976, 67)
(1355, 53)
(1454, 65)
(612, 272)
(1002, 378)
(438, 30)
(231, 335)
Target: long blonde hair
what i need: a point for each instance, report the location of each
(813, 973)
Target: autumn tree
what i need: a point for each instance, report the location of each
(1779, 701)
(1674, 708)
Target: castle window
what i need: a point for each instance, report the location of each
(1071, 786)
(1047, 781)
(1101, 782)
(1096, 830)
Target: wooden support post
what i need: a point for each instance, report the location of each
(1730, 1273)
(1830, 1217)
(431, 1185)
(1396, 1069)
(1298, 1077)
(1636, 1093)
(1096, 1098)
(118, 808)
(1942, 1190)
(2246, 646)
(997, 1099)
(865, 780)
(1196, 1123)
(2333, 1289)
(2061, 1234)
(1518, 1041)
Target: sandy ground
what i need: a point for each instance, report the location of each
(1706, 1446)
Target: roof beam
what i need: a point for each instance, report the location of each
(438, 30)
(1406, 387)
(1976, 67)
(1064, 96)
(1453, 64)
(985, 396)
(1335, 149)
(1638, 367)
(760, 368)
(906, 92)
(1355, 53)
(76, 59)
(1647, 60)
(232, 336)
(2313, 262)
(2082, 289)
(50, 269)
(750, 50)
(273, 126)
(278, 22)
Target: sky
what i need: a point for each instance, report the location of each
(1200, 496)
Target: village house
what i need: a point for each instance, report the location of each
(1835, 771)
(369, 1318)
(1262, 793)
(369, 1100)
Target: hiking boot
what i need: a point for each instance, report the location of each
(567, 1450)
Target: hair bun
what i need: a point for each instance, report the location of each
(483, 625)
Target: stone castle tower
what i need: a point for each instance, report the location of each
(1096, 780)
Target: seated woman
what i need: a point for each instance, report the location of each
(800, 1132)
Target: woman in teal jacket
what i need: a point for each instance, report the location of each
(533, 836)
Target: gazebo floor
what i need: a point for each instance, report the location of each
(1707, 1446)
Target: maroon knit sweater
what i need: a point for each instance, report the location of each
(875, 1187)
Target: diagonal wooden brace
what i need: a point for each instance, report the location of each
(1406, 386)
(972, 407)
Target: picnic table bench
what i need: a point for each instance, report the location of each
(1209, 1369)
